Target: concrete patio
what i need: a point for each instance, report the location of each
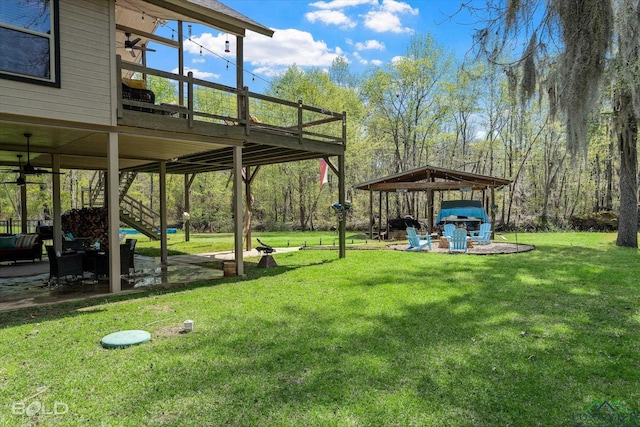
(25, 284)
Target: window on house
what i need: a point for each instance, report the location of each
(29, 41)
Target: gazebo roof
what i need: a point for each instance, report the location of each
(432, 178)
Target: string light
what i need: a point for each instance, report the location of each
(174, 31)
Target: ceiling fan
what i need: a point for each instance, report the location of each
(20, 180)
(29, 169)
(130, 45)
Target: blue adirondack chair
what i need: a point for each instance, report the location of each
(416, 242)
(448, 230)
(458, 241)
(483, 235)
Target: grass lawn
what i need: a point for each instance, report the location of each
(380, 338)
(215, 242)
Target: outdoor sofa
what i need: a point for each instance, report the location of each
(20, 247)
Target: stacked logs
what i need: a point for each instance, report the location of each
(87, 222)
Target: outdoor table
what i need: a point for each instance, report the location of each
(96, 261)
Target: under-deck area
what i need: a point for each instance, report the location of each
(128, 117)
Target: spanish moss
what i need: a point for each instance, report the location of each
(529, 70)
(587, 30)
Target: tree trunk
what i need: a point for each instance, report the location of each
(609, 173)
(626, 133)
(301, 202)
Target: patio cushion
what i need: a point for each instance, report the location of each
(135, 83)
(25, 240)
(8, 242)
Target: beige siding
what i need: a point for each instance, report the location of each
(85, 75)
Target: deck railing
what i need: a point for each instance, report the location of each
(206, 101)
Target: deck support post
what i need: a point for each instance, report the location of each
(163, 212)
(113, 210)
(237, 209)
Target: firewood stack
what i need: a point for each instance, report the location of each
(87, 222)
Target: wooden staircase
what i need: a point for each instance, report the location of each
(134, 213)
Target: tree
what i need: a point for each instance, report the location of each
(297, 189)
(407, 106)
(593, 34)
(407, 99)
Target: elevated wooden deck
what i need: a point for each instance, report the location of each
(271, 130)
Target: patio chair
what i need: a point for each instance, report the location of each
(132, 245)
(63, 265)
(448, 230)
(102, 261)
(416, 242)
(125, 259)
(138, 94)
(458, 241)
(482, 236)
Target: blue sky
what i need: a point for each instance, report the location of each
(367, 33)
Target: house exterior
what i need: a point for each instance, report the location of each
(66, 103)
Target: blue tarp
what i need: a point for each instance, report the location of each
(134, 231)
(462, 209)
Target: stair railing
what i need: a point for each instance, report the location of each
(139, 212)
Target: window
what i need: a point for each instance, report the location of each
(29, 48)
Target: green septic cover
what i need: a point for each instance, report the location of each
(124, 339)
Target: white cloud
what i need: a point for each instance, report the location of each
(382, 17)
(330, 17)
(370, 45)
(202, 75)
(397, 59)
(341, 4)
(360, 59)
(288, 47)
(269, 72)
(209, 43)
(384, 22)
(386, 18)
(394, 6)
(198, 60)
(376, 62)
(269, 56)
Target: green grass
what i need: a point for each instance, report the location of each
(380, 338)
(215, 242)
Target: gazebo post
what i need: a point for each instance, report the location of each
(493, 212)
(370, 213)
(430, 211)
(386, 194)
(379, 214)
